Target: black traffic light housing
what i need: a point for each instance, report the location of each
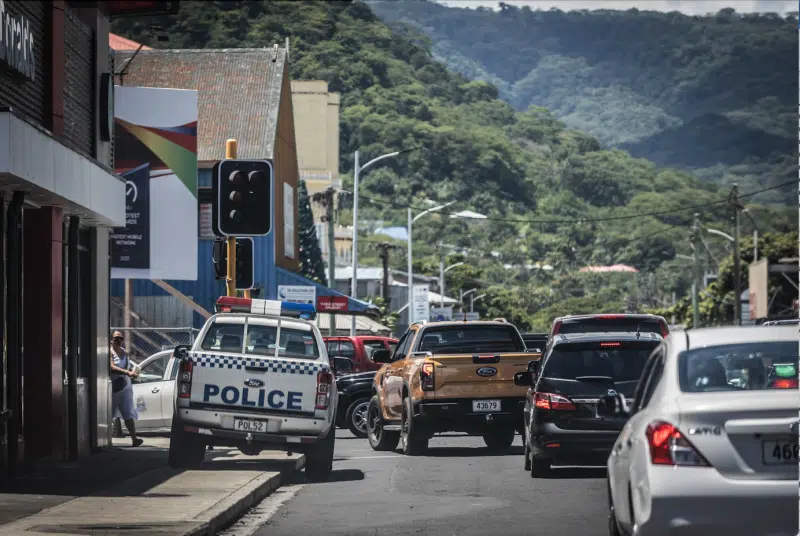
(242, 197)
(245, 262)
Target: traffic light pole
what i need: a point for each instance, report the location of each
(695, 273)
(230, 241)
(737, 257)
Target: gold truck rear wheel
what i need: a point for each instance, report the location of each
(413, 439)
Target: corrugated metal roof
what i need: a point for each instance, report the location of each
(119, 43)
(343, 323)
(239, 93)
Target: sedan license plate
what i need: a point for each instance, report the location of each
(250, 425)
(779, 452)
(485, 405)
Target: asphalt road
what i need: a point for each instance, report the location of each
(456, 489)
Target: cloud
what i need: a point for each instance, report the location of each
(690, 7)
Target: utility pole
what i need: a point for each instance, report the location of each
(737, 269)
(328, 200)
(230, 242)
(384, 248)
(696, 267)
(441, 273)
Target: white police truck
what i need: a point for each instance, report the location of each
(257, 377)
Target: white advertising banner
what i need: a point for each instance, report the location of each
(420, 305)
(297, 294)
(469, 316)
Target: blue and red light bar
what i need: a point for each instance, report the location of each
(230, 304)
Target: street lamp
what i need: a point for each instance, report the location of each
(720, 233)
(473, 300)
(357, 169)
(442, 271)
(411, 221)
(462, 295)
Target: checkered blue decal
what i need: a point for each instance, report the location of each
(231, 362)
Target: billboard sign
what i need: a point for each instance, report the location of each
(420, 304)
(759, 288)
(332, 304)
(440, 314)
(130, 245)
(297, 294)
(157, 128)
(469, 316)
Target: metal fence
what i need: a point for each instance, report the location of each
(143, 342)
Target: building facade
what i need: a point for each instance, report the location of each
(59, 199)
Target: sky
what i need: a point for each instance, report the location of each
(690, 7)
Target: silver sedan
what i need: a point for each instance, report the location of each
(710, 445)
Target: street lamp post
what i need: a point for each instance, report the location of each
(357, 169)
(411, 220)
(442, 271)
(463, 295)
(472, 301)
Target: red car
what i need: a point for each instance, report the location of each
(359, 350)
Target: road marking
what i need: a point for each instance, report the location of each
(260, 514)
(365, 458)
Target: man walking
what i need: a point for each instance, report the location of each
(121, 386)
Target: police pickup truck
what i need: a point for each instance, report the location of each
(257, 377)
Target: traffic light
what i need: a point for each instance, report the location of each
(243, 197)
(244, 263)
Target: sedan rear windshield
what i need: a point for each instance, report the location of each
(590, 361)
(260, 340)
(468, 339)
(739, 367)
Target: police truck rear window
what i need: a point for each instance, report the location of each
(468, 339)
(260, 340)
(608, 325)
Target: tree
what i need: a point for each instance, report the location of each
(311, 265)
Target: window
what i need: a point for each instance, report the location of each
(652, 381)
(402, 346)
(392, 346)
(621, 364)
(371, 346)
(333, 348)
(346, 349)
(641, 384)
(297, 343)
(471, 339)
(737, 367)
(224, 338)
(154, 370)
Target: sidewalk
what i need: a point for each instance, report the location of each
(131, 491)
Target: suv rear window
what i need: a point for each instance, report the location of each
(469, 339)
(224, 337)
(622, 362)
(609, 324)
(737, 367)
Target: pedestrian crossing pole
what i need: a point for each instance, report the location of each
(230, 241)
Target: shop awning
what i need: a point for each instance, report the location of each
(327, 300)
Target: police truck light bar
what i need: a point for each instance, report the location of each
(230, 304)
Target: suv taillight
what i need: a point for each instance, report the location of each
(550, 401)
(664, 328)
(324, 383)
(556, 328)
(669, 447)
(426, 377)
(185, 378)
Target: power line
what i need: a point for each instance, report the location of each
(582, 220)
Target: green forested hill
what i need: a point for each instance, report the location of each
(714, 94)
(552, 195)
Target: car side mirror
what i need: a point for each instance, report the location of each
(612, 406)
(342, 364)
(523, 379)
(533, 367)
(381, 355)
(181, 351)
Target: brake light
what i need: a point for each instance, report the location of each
(664, 328)
(610, 344)
(324, 383)
(611, 317)
(557, 327)
(550, 401)
(785, 383)
(426, 376)
(185, 378)
(669, 447)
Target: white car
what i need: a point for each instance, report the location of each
(702, 454)
(257, 377)
(154, 391)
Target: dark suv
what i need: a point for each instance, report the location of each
(561, 422)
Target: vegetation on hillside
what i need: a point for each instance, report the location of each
(552, 195)
(712, 94)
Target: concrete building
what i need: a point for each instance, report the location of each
(60, 198)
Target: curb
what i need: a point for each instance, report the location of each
(230, 509)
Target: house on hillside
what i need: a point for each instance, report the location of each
(243, 94)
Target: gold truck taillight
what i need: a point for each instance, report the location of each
(426, 376)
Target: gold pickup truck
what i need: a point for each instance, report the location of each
(449, 377)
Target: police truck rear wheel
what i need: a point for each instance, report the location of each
(185, 450)
(379, 439)
(319, 458)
